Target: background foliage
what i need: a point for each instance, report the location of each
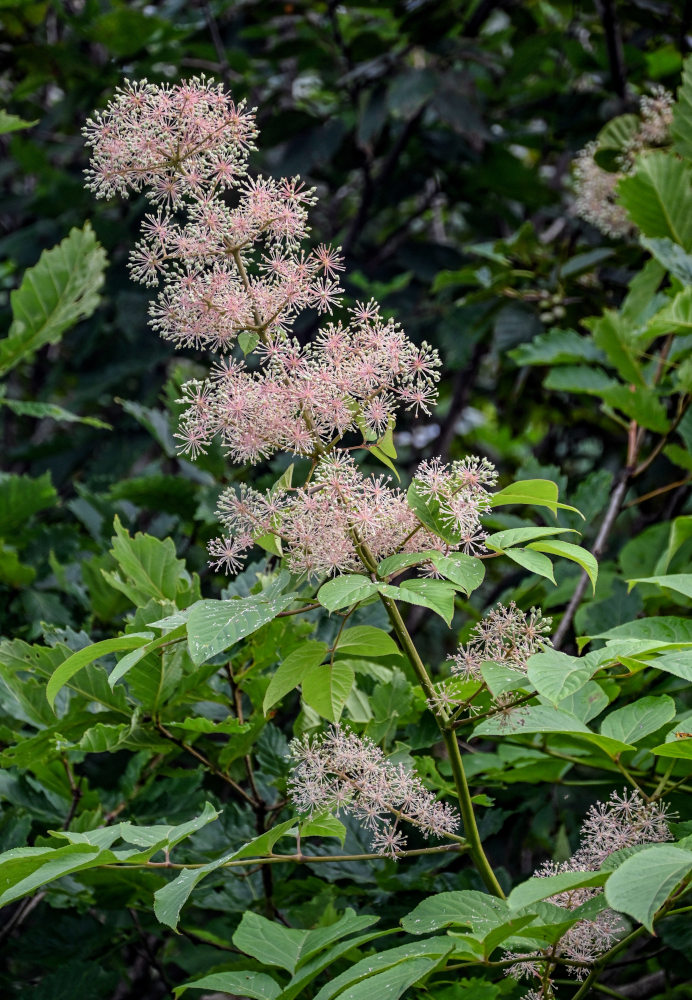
(440, 137)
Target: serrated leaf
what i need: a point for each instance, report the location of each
(613, 334)
(149, 566)
(642, 883)
(671, 256)
(61, 289)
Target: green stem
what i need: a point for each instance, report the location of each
(465, 805)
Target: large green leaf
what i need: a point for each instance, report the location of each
(534, 562)
(254, 985)
(169, 901)
(681, 583)
(535, 492)
(658, 197)
(434, 594)
(213, 626)
(62, 288)
(24, 869)
(367, 979)
(326, 688)
(13, 123)
(537, 888)
(291, 670)
(344, 591)
(671, 256)
(643, 882)
(30, 408)
(680, 748)
(365, 640)
(458, 908)
(644, 716)
(613, 334)
(270, 942)
(82, 657)
(147, 566)
(557, 347)
(567, 550)
(502, 540)
(556, 675)
(548, 719)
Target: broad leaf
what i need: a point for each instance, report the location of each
(82, 657)
(365, 640)
(535, 492)
(325, 688)
(658, 198)
(213, 626)
(254, 985)
(535, 889)
(556, 675)
(643, 882)
(643, 717)
(344, 591)
(575, 553)
(62, 288)
(291, 670)
(681, 583)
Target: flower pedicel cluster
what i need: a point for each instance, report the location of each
(626, 820)
(340, 771)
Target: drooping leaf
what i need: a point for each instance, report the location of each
(644, 716)
(575, 553)
(365, 640)
(213, 626)
(82, 657)
(658, 198)
(535, 492)
(254, 985)
(643, 882)
(681, 583)
(344, 591)
(326, 688)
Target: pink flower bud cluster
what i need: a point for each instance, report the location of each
(339, 771)
(305, 397)
(626, 820)
(507, 636)
(321, 523)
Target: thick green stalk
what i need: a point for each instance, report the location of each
(465, 805)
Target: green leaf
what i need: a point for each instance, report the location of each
(643, 882)
(166, 834)
(24, 869)
(547, 719)
(434, 594)
(536, 492)
(666, 630)
(537, 888)
(169, 901)
(130, 659)
(255, 985)
(580, 378)
(658, 199)
(613, 334)
(675, 317)
(213, 626)
(13, 572)
(615, 138)
(61, 289)
(291, 671)
(680, 748)
(502, 540)
(534, 562)
(556, 675)
(367, 979)
(428, 513)
(343, 591)
(575, 553)
(149, 566)
(12, 123)
(677, 664)
(465, 572)
(633, 722)
(365, 640)
(269, 942)
(681, 583)
(557, 347)
(681, 128)
(82, 657)
(41, 410)
(20, 497)
(671, 256)
(458, 908)
(326, 688)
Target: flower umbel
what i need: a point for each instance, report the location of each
(343, 772)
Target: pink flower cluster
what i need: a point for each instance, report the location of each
(342, 772)
(506, 635)
(321, 523)
(304, 398)
(626, 820)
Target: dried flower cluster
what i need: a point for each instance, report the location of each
(342, 772)
(626, 820)
(596, 188)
